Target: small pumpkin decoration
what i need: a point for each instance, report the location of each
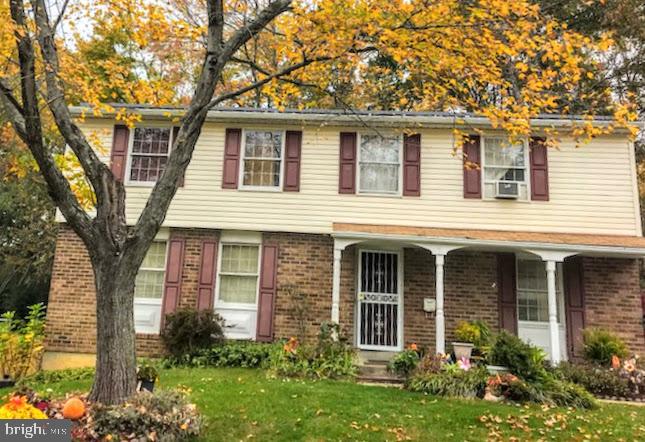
(73, 409)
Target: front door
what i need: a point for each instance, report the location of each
(380, 319)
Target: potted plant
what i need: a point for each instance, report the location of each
(147, 375)
(470, 335)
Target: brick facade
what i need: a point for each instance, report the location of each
(305, 271)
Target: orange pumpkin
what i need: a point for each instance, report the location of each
(73, 409)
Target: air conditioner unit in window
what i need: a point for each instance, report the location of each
(507, 190)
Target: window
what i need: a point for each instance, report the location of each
(379, 164)
(532, 292)
(150, 150)
(505, 165)
(150, 278)
(262, 159)
(238, 274)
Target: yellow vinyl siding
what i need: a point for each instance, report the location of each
(591, 190)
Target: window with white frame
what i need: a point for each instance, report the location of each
(150, 278)
(379, 163)
(262, 158)
(505, 168)
(238, 273)
(532, 291)
(149, 153)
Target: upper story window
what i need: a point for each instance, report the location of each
(150, 278)
(149, 154)
(262, 157)
(505, 168)
(379, 164)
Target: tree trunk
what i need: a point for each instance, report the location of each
(116, 377)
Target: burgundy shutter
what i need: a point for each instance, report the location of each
(574, 294)
(268, 288)
(230, 171)
(175, 132)
(472, 167)
(207, 264)
(539, 169)
(412, 165)
(119, 156)
(293, 147)
(172, 285)
(507, 292)
(347, 172)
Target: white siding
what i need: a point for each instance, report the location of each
(592, 190)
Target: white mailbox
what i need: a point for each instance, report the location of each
(429, 304)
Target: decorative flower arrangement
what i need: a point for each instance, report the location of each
(291, 345)
(464, 364)
(19, 408)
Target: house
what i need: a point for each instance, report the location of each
(379, 224)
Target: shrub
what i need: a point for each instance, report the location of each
(475, 332)
(597, 380)
(147, 373)
(187, 330)
(52, 376)
(600, 345)
(244, 354)
(520, 358)
(405, 362)
(451, 382)
(331, 357)
(568, 394)
(165, 415)
(21, 342)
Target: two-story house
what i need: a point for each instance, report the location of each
(380, 223)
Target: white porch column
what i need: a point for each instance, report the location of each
(335, 294)
(440, 323)
(554, 332)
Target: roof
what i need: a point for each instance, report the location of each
(614, 244)
(345, 116)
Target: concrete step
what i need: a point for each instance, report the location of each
(386, 379)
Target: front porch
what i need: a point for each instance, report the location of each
(391, 289)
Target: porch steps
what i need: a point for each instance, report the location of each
(374, 370)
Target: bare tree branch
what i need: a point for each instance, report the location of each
(264, 81)
(218, 54)
(29, 127)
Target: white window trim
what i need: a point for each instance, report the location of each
(527, 171)
(237, 305)
(559, 286)
(277, 188)
(150, 269)
(128, 169)
(358, 171)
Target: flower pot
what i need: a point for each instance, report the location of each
(6, 381)
(462, 350)
(146, 385)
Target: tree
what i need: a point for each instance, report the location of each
(27, 229)
(490, 56)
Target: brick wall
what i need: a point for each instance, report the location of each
(304, 282)
(470, 293)
(71, 312)
(613, 298)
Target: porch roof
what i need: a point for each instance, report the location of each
(610, 245)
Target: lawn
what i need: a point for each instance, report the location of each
(242, 404)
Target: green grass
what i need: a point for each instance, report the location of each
(241, 404)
